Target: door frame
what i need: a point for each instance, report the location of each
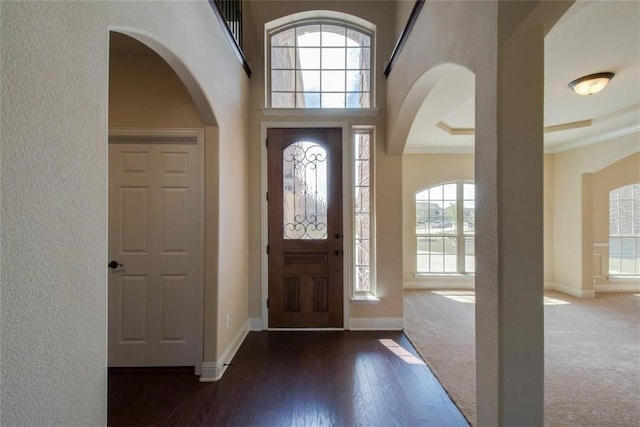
(182, 135)
(346, 216)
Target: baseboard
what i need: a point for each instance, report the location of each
(619, 287)
(578, 293)
(213, 371)
(255, 324)
(439, 285)
(376, 324)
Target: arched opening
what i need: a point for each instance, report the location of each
(161, 129)
(438, 226)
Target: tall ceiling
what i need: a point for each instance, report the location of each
(592, 37)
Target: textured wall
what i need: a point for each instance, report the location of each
(53, 178)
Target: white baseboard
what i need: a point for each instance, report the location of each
(213, 371)
(617, 287)
(376, 324)
(579, 293)
(255, 324)
(440, 285)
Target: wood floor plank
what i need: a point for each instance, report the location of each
(290, 379)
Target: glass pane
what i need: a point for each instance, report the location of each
(625, 220)
(636, 216)
(362, 172)
(450, 257)
(435, 193)
(284, 38)
(423, 255)
(362, 146)
(308, 35)
(436, 255)
(422, 217)
(358, 99)
(450, 217)
(469, 217)
(283, 100)
(333, 58)
(308, 81)
(362, 199)
(450, 191)
(333, 35)
(362, 252)
(304, 191)
(283, 57)
(357, 81)
(627, 256)
(363, 282)
(362, 226)
(614, 229)
(355, 59)
(333, 81)
(358, 38)
(283, 80)
(614, 255)
(310, 100)
(469, 191)
(469, 254)
(309, 58)
(333, 100)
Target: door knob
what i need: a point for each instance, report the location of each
(114, 264)
(337, 252)
(337, 235)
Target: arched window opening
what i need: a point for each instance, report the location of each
(445, 228)
(320, 64)
(624, 231)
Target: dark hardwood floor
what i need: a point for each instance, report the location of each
(292, 379)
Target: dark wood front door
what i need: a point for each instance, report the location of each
(305, 228)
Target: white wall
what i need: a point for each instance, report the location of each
(54, 189)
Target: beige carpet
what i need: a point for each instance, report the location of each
(592, 353)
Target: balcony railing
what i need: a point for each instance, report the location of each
(230, 13)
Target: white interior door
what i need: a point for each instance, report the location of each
(155, 234)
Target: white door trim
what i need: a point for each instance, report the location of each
(346, 211)
(139, 135)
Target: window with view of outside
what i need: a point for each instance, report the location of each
(624, 231)
(320, 65)
(445, 228)
(363, 229)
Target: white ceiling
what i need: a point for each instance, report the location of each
(591, 37)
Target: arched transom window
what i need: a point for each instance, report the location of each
(319, 64)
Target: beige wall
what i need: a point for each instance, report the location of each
(403, 11)
(54, 82)
(572, 252)
(388, 168)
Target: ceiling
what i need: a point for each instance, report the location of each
(592, 37)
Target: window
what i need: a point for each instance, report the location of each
(364, 272)
(445, 224)
(624, 231)
(320, 65)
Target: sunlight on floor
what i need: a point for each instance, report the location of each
(399, 351)
(554, 301)
(468, 297)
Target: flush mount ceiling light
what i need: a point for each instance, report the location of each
(593, 83)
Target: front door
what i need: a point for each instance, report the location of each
(154, 249)
(305, 228)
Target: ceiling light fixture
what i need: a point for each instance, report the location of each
(593, 83)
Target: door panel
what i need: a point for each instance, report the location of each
(154, 232)
(305, 228)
